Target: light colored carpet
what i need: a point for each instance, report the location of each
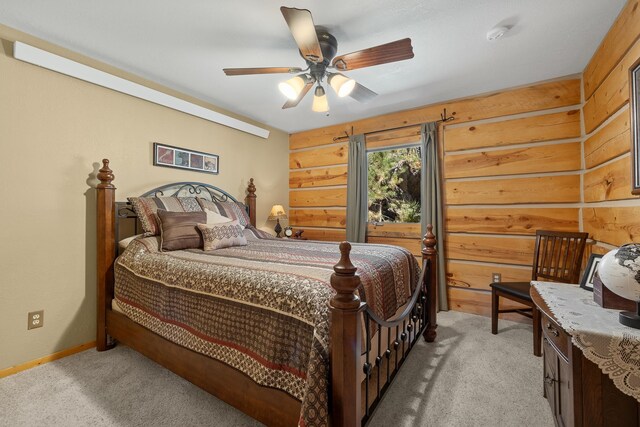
(468, 378)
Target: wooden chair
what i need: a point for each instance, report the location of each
(557, 258)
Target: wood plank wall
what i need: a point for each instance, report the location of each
(610, 213)
(505, 178)
(541, 156)
(511, 164)
(318, 188)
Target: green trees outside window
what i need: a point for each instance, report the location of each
(394, 185)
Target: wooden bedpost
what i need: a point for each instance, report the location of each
(430, 255)
(251, 201)
(346, 338)
(106, 193)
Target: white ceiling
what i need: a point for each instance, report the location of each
(185, 45)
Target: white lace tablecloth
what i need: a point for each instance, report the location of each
(615, 348)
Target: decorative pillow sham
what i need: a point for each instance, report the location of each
(218, 236)
(179, 230)
(215, 217)
(146, 208)
(232, 210)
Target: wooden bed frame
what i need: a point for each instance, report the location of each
(268, 405)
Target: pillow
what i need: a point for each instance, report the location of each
(122, 244)
(146, 207)
(179, 230)
(215, 217)
(232, 210)
(218, 236)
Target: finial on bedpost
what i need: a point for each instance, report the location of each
(430, 255)
(251, 201)
(346, 336)
(345, 281)
(105, 175)
(429, 242)
(251, 188)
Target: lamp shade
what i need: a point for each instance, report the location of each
(341, 84)
(277, 212)
(320, 102)
(291, 88)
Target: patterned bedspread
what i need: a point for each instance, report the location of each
(260, 308)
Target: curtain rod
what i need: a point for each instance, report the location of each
(443, 119)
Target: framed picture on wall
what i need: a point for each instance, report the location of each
(634, 85)
(182, 158)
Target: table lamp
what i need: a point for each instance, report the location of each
(277, 213)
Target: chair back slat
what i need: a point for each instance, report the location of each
(561, 259)
(540, 255)
(558, 256)
(570, 253)
(558, 268)
(553, 258)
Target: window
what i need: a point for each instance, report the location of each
(394, 185)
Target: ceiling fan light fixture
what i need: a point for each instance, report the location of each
(320, 102)
(319, 47)
(291, 88)
(341, 84)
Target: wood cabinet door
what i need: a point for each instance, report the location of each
(564, 393)
(549, 373)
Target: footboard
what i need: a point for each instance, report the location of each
(393, 340)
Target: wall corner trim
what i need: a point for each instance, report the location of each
(53, 62)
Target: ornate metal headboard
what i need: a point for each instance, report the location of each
(193, 189)
(124, 210)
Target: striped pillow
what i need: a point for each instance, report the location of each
(232, 210)
(146, 208)
(226, 235)
(178, 230)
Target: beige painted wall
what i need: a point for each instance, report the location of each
(53, 131)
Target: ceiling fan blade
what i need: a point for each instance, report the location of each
(391, 52)
(362, 94)
(293, 102)
(264, 70)
(300, 23)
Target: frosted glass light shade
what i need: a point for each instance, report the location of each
(320, 102)
(291, 88)
(342, 84)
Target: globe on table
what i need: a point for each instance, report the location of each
(619, 270)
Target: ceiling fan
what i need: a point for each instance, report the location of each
(318, 48)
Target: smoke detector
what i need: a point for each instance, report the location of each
(496, 33)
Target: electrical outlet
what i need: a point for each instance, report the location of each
(35, 319)
(497, 277)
